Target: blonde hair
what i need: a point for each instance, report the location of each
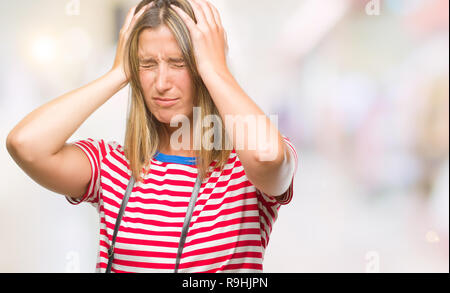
(142, 137)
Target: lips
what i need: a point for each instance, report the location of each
(165, 99)
(165, 102)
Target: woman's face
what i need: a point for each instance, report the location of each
(164, 75)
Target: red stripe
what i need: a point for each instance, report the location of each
(177, 234)
(239, 209)
(116, 169)
(262, 214)
(163, 192)
(104, 265)
(288, 142)
(223, 235)
(144, 231)
(121, 160)
(265, 202)
(159, 212)
(118, 195)
(145, 242)
(224, 195)
(169, 173)
(265, 226)
(244, 214)
(139, 199)
(222, 247)
(225, 200)
(101, 143)
(144, 221)
(229, 188)
(233, 176)
(91, 152)
(255, 266)
(148, 201)
(136, 264)
(143, 253)
(144, 265)
(289, 194)
(115, 181)
(172, 182)
(204, 262)
(223, 224)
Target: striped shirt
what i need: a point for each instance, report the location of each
(230, 226)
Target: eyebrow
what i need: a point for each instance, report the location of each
(151, 59)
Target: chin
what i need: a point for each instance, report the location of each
(170, 116)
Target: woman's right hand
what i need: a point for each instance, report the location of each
(124, 34)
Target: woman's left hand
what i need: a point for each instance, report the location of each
(208, 37)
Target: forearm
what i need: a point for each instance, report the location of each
(45, 130)
(254, 136)
(269, 170)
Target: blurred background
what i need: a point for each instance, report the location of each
(360, 87)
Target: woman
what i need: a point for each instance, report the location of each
(173, 55)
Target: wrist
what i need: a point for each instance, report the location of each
(119, 76)
(212, 74)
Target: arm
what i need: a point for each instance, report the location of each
(270, 172)
(43, 132)
(37, 143)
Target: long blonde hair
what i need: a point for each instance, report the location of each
(143, 130)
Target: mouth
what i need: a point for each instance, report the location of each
(165, 102)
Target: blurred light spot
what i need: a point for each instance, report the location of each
(73, 7)
(43, 49)
(75, 45)
(372, 262)
(432, 237)
(402, 7)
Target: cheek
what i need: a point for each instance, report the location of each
(184, 83)
(146, 80)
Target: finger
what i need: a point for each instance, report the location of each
(129, 17)
(147, 6)
(207, 12)
(186, 18)
(226, 43)
(199, 14)
(216, 14)
(139, 14)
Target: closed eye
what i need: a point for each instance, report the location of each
(148, 64)
(174, 62)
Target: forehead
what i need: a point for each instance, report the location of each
(159, 42)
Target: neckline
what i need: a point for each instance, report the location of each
(175, 159)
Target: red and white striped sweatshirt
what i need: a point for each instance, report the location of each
(230, 226)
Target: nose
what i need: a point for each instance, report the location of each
(162, 79)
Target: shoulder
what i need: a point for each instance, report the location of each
(100, 148)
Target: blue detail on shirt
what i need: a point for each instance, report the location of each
(175, 159)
